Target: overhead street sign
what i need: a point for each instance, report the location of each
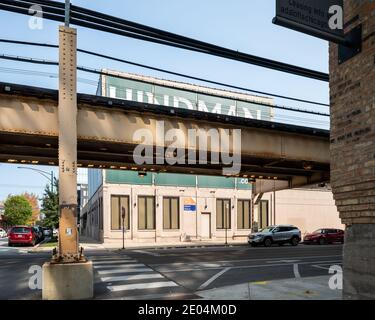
(319, 18)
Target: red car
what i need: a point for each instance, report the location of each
(324, 236)
(22, 235)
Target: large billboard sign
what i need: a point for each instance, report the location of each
(319, 18)
(180, 95)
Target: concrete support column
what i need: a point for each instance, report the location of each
(352, 85)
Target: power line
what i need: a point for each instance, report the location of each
(99, 72)
(45, 74)
(167, 71)
(95, 20)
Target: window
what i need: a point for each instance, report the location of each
(146, 213)
(117, 205)
(223, 215)
(171, 213)
(243, 214)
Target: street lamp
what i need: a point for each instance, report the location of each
(46, 174)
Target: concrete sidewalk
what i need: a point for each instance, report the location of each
(309, 288)
(89, 244)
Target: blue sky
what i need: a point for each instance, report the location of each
(239, 24)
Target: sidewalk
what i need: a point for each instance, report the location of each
(90, 244)
(309, 288)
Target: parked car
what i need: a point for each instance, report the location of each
(40, 233)
(324, 236)
(47, 232)
(3, 233)
(55, 232)
(279, 234)
(22, 235)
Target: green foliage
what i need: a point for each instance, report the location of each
(18, 210)
(50, 206)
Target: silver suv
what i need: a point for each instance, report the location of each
(280, 234)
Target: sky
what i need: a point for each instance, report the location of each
(243, 25)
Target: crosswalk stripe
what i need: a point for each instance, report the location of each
(125, 270)
(110, 258)
(130, 265)
(114, 262)
(132, 277)
(151, 285)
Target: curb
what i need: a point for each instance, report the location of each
(193, 246)
(37, 249)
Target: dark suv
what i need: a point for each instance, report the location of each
(279, 234)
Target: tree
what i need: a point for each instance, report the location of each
(50, 206)
(17, 211)
(33, 200)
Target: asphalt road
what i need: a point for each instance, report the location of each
(198, 269)
(173, 273)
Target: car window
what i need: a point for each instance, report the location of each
(282, 229)
(20, 230)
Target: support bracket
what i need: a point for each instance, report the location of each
(354, 38)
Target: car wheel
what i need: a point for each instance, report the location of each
(322, 241)
(294, 241)
(267, 242)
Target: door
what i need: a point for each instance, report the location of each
(206, 225)
(281, 234)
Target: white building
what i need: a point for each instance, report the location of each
(164, 207)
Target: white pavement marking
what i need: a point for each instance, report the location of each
(247, 260)
(241, 267)
(154, 254)
(109, 258)
(212, 279)
(321, 267)
(296, 271)
(284, 261)
(113, 262)
(125, 270)
(117, 266)
(156, 296)
(151, 285)
(132, 277)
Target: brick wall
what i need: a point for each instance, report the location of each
(352, 87)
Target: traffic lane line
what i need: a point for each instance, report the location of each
(321, 266)
(213, 278)
(231, 262)
(240, 276)
(296, 271)
(245, 266)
